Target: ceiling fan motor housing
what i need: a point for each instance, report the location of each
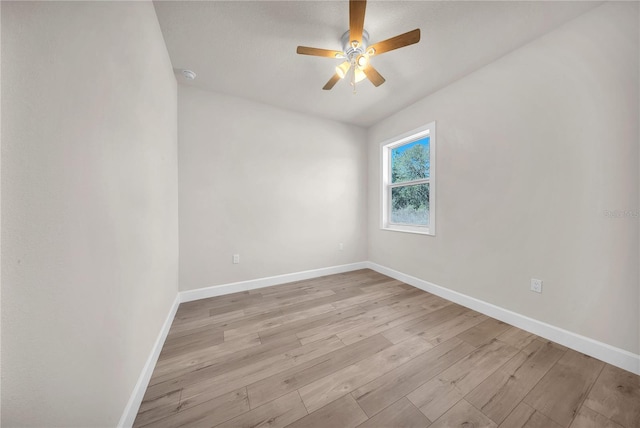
(349, 50)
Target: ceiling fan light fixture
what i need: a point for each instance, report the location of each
(342, 69)
(362, 60)
(359, 74)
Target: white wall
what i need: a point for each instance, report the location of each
(89, 199)
(532, 149)
(279, 188)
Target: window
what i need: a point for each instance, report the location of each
(408, 179)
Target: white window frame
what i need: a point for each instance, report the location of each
(385, 199)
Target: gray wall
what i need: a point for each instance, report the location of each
(279, 188)
(532, 150)
(89, 207)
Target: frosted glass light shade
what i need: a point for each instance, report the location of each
(342, 69)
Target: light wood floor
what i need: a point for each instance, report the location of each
(363, 350)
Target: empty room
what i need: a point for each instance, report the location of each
(374, 214)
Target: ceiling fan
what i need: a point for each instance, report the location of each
(356, 50)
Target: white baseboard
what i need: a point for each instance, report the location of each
(131, 410)
(607, 353)
(234, 287)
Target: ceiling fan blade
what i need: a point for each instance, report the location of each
(331, 83)
(396, 42)
(373, 75)
(356, 19)
(304, 50)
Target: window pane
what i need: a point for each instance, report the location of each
(410, 204)
(410, 161)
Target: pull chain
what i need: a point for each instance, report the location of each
(353, 75)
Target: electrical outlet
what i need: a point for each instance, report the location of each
(236, 259)
(341, 246)
(536, 285)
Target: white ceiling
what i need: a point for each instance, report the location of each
(248, 48)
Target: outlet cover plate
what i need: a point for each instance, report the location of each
(536, 285)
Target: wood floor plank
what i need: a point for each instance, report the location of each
(342, 325)
(431, 301)
(276, 321)
(291, 299)
(422, 299)
(501, 392)
(343, 412)
(517, 338)
(158, 408)
(359, 283)
(209, 413)
(384, 285)
(170, 367)
(484, 332)
(329, 388)
(463, 414)
(248, 305)
(303, 374)
(402, 413)
(390, 387)
(202, 329)
(396, 299)
(562, 390)
(420, 325)
(368, 297)
(277, 294)
(215, 305)
(341, 281)
(414, 298)
(286, 288)
(292, 289)
(318, 301)
(209, 388)
(380, 325)
(201, 324)
(525, 416)
(296, 327)
(441, 393)
(209, 369)
(616, 395)
(451, 328)
(587, 418)
(191, 342)
(277, 413)
(248, 320)
(315, 350)
(407, 286)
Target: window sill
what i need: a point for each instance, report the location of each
(409, 229)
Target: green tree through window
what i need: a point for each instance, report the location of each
(410, 203)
